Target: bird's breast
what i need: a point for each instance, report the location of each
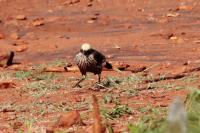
(87, 63)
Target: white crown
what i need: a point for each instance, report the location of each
(85, 47)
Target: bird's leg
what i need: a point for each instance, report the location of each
(77, 84)
(98, 85)
(99, 76)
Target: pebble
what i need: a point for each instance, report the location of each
(38, 22)
(21, 17)
(15, 36)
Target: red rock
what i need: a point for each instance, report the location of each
(117, 47)
(21, 48)
(20, 42)
(14, 35)
(89, 4)
(71, 2)
(54, 69)
(103, 19)
(185, 7)
(21, 17)
(173, 14)
(68, 119)
(17, 125)
(72, 69)
(90, 21)
(7, 84)
(128, 26)
(123, 66)
(2, 36)
(110, 56)
(3, 56)
(50, 131)
(38, 22)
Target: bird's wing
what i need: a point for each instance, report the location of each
(99, 57)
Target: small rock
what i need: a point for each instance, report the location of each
(15, 36)
(94, 18)
(183, 33)
(67, 3)
(68, 64)
(71, 69)
(50, 11)
(196, 41)
(21, 17)
(185, 7)
(75, 1)
(140, 9)
(89, 4)
(172, 14)
(7, 84)
(169, 35)
(20, 42)
(123, 66)
(68, 119)
(71, 2)
(128, 26)
(110, 56)
(17, 125)
(173, 38)
(53, 69)
(21, 48)
(117, 46)
(187, 63)
(50, 130)
(2, 36)
(97, 14)
(138, 69)
(38, 22)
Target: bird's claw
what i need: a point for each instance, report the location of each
(76, 85)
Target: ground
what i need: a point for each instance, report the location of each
(155, 44)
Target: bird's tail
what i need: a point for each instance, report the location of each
(108, 65)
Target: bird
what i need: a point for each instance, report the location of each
(90, 60)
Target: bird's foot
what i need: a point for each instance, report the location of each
(76, 85)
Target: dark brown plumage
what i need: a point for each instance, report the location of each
(90, 60)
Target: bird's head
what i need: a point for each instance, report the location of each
(85, 47)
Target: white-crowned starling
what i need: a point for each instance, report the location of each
(90, 60)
